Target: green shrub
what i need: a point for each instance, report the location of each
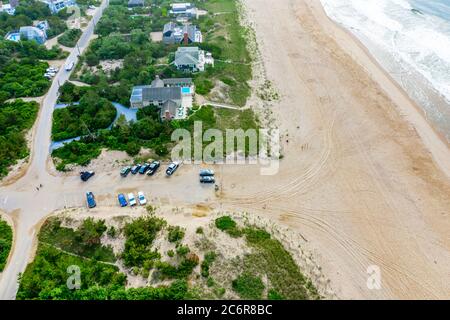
(182, 251)
(227, 224)
(175, 234)
(6, 237)
(207, 262)
(139, 235)
(248, 286)
(182, 271)
(273, 295)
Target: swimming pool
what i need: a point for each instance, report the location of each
(186, 90)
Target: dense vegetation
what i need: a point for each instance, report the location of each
(70, 37)
(23, 78)
(248, 286)
(140, 235)
(6, 237)
(91, 114)
(15, 119)
(83, 242)
(21, 71)
(46, 278)
(60, 247)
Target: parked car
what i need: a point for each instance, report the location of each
(86, 175)
(141, 198)
(69, 66)
(135, 169)
(206, 172)
(125, 171)
(207, 179)
(144, 168)
(172, 168)
(131, 199)
(153, 168)
(122, 201)
(90, 199)
(48, 76)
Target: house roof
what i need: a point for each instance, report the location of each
(147, 93)
(157, 83)
(187, 55)
(171, 28)
(173, 81)
(170, 106)
(135, 2)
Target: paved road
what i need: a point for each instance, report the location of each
(27, 214)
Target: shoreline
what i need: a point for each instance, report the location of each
(432, 139)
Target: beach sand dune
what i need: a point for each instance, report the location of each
(363, 177)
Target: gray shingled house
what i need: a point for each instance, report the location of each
(169, 95)
(186, 34)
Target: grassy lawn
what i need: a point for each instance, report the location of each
(6, 237)
(224, 34)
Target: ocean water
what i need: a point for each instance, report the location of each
(411, 40)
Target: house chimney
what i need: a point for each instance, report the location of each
(186, 39)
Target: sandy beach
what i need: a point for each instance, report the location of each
(364, 178)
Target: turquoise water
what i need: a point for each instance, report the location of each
(186, 90)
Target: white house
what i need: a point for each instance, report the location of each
(7, 8)
(57, 5)
(192, 59)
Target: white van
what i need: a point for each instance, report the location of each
(69, 66)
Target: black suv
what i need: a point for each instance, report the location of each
(86, 175)
(153, 167)
(125, 171)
